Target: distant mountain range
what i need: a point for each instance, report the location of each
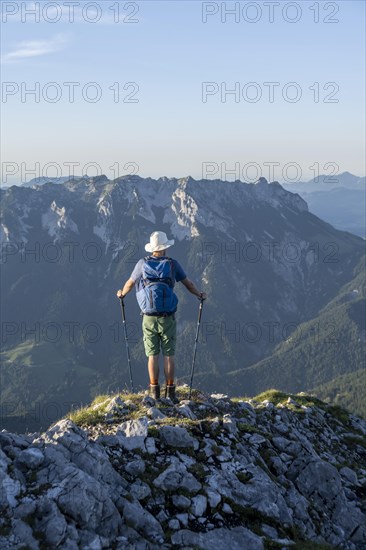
(268, 265)
(340, 200)
(323, 182)
(42, 180)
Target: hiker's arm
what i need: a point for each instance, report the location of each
(193, 289)
(126, 289)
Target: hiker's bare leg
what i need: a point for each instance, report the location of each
(153, 366)
(169, 369)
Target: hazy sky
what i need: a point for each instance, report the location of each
(172, 63)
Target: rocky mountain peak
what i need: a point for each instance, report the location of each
(130, 178)
(277, 471)
(183, 182)
(261, 181)
(102, 179)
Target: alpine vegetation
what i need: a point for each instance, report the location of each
(131, 472)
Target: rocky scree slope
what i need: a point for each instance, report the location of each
(277, 471)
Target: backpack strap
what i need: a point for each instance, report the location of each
(172, 271)
(143, 280)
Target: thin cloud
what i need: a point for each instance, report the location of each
(34, 48)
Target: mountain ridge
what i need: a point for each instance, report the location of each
(344, 179)
(309, 367)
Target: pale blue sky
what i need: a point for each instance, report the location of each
(169, 53)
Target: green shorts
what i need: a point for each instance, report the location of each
(159, 331)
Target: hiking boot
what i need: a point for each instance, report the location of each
(170, 393)
(154, 391)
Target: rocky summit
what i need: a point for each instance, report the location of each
(127, 472)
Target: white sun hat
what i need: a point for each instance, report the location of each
(158, 241)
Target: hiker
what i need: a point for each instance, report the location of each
(155, 276)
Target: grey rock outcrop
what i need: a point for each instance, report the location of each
(235, 539)
(224, 474)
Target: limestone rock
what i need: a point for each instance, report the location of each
(181, 502)
(132, 434)
(150, 484)
(237, 538)
(175, 477)
(184, 410)
(135, 467)
(140, 490)
(141, 520)
(176, 436)
(199, 505)
(31, 458)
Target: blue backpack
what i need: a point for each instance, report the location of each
(155, 294)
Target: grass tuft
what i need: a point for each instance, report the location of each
(276, 397)
(95, 412)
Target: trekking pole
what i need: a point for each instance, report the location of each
(195, 344)
(126, 340)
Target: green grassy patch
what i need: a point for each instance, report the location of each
(199, 471)
(153, 431)
(183, 393)
(95, 412)
(250, 517)
(5, 530)
(339, 413)
(353, 441)
(276, 397)
(244, 477)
